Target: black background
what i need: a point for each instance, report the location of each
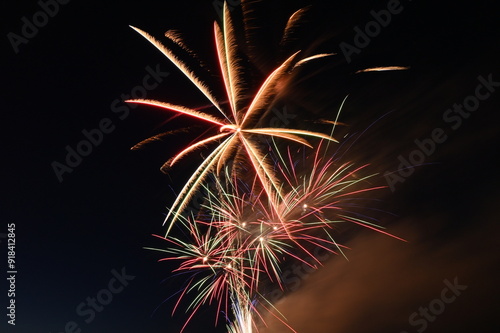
(71, 234)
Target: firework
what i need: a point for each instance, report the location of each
(238, 240)
(288, 202)
(238, 126)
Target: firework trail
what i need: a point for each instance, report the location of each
(237, 240)
(238, 125)
(267, 206)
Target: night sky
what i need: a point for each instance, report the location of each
(80, 231)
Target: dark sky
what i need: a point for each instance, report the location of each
(75, 232)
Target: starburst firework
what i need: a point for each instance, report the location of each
(238, 239)
(250, 227)
(238, 125)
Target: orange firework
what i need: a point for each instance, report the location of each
(238, 126)
(250, 225)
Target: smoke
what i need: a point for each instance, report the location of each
(387, 283)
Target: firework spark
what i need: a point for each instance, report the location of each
(251, 226)
(238, 125)
(238, 240)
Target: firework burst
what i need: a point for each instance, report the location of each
(238, 126)
(265, 207)
(238, 240)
